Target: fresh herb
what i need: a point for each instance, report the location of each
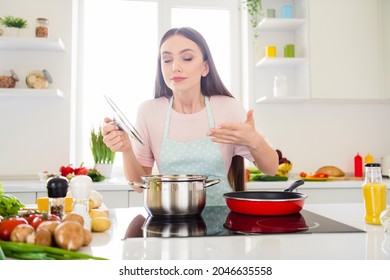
(25, 251)
(101, 153)
(95, 175)
(9, 204)
(255, 11)
(10, 21)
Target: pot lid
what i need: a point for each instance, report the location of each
(173, 178)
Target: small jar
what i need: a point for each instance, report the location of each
(42, 28)
(57, 187)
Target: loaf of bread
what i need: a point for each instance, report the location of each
(331, 171)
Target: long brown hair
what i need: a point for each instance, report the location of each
(210, 85)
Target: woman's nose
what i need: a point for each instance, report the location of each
(176, 67)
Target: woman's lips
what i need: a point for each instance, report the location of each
(177, 79)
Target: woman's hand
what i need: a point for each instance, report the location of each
(117, 140)
(243, 134)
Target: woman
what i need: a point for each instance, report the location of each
(194, 125)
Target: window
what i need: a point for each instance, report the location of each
(118, 48)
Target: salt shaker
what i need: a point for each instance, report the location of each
(57, 188)
(80, 187)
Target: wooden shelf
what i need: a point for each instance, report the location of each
(31, 44)
(27, 93)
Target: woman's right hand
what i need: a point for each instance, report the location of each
(114, 138)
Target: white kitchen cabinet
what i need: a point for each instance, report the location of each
(280, 32)
(25, 197)
(346, 49)
(115, 199)
(342, 47)
(136, 199)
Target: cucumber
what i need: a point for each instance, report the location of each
(269, 178)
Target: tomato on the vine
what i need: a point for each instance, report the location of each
(7, 226)
(35, 220)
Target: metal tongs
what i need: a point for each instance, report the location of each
(121, 121)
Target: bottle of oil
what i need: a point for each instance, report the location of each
(374, 193)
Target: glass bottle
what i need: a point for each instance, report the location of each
(374, 193)
(42, 28)
(57, 187)
(80, 187)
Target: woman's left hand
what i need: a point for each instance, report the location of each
(243, 134)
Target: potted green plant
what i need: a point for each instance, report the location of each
(13, 24)
(255, 12)
(102, 155)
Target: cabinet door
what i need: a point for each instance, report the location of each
(345, 44)
(25, 197)
(115, 199)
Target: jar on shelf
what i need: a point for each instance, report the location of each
(42, 28)
(8, 79)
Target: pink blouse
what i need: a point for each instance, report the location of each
(185, 127)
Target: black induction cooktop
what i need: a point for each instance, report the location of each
(220, 221)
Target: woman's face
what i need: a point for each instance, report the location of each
(182, 64)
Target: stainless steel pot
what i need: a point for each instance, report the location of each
(180, 195)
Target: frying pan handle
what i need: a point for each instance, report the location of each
(294, 185)
(210, 183)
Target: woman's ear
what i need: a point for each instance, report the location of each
(206, 69)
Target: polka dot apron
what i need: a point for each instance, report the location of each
(197, 157)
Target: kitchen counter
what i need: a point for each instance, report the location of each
(373, 243)
(118, 194)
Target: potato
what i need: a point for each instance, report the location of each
(87, 237)
(43, 237)
(69, 235)
(74, 217)
(97, 198)
(49, 225)
(100, 224)
(23, 233)
(97, 213)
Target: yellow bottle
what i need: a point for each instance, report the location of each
(374, 193)
(369, 158)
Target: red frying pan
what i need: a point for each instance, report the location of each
(269, 203)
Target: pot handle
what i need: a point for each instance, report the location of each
(138, 185)
(210, 183)
(294, 185)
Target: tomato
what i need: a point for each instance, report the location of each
(319, 175)
(81, 171)
(36, 219)
(302, 174)
(65, 170)
(7, 226)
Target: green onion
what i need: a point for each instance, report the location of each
(25, 251)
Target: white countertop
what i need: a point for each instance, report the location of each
(372, 244)
(116, 184)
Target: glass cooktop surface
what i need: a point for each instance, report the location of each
(220, 221)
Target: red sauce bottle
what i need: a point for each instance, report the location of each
(358, 166)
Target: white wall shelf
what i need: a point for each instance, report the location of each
(281, 24)
(31, 44)
(281, 61)
(279, 32)
(26, 93)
